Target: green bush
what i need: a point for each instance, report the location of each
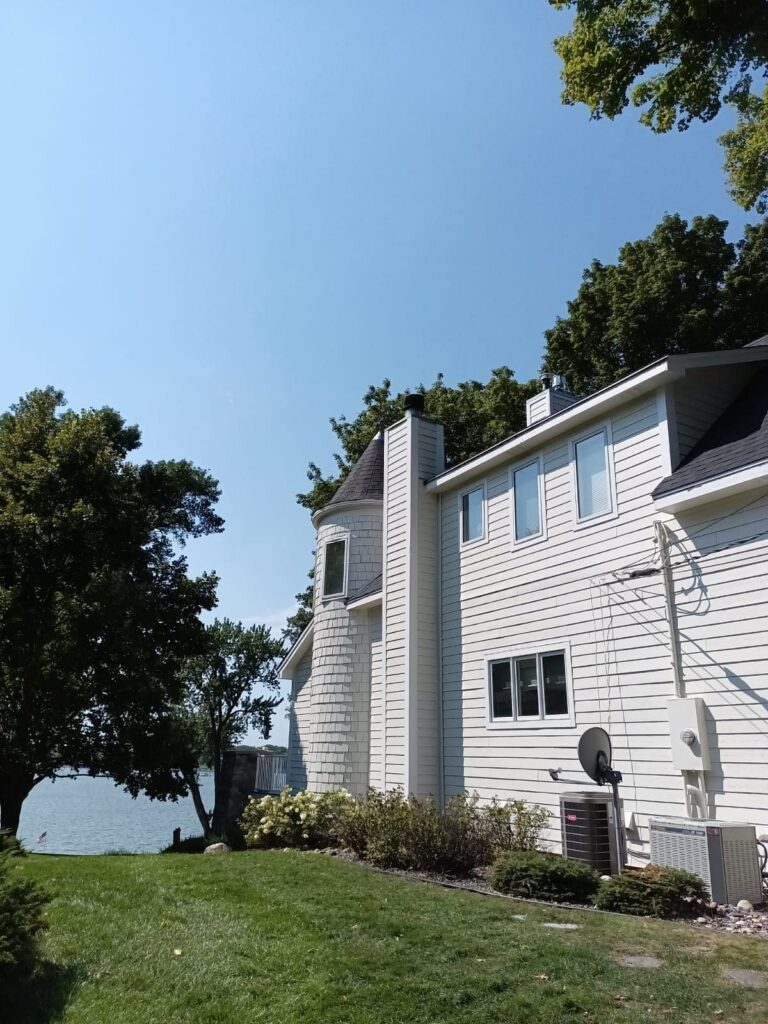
(393, 831)
(512, 825)
(651, 892)
(304, 820)
(544, 876)
(21, 918)
(11, 843)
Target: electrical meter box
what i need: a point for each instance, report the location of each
(688, 733)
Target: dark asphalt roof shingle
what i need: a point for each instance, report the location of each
(738, 439)
(368, 589)
(366, 478)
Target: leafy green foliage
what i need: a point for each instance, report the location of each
(678, 62)
(97, 610)
(21, 917)
(391, 830)
(544, 876)
(474, 415)
(229, 688)
(651, 892)
(746, 153)
(303, 821)
(685, 288)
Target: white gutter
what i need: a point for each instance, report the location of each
(369, 601)
(617, 394)
(751, 478)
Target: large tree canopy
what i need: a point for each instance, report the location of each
(685, 288)
(97, 610)
(678, 61)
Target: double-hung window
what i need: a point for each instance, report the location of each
(529, 688)
(473, 515)
(594, 494)
(335, 569)
(527, 510)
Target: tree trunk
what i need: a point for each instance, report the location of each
(194, 788)
(15, 787)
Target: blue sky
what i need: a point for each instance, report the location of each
(227, 219)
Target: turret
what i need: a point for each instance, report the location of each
(348, 557)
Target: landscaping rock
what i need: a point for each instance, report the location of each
(217, 848)
(745, 906)
(562, 927)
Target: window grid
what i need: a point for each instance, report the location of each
(507, 689)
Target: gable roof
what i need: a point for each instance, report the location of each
(738, 439)
(302, 645)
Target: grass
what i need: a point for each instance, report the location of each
(291, 938)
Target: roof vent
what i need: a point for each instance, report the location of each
(414, 404)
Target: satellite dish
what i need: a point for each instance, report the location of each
(595, 753)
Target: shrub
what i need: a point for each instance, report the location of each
(304, 820)
(651, 891)
(398, 832)
(544, 876)
(21, 918)
(11, 843)
(512, 825)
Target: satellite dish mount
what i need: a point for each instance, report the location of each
(595, 757)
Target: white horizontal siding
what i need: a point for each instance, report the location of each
(499, 598)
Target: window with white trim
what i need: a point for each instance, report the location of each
(528, 688)
(526, 497)
(335, 568)
(473, 515)
(593, 481)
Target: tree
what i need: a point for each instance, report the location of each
(685, 288)
(678, 61)
(474, 415)
(97, 610)
(221, 704)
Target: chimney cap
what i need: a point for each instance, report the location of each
(414, 403)
(546, 381)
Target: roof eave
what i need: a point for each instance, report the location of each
(369, 601)
(638, 383)
(290, 662)
(736, 482)
(345, 506)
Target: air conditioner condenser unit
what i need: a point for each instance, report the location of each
(589, 829)
(723, 854)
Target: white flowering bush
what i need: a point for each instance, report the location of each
(303, 820)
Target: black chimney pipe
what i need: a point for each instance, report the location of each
(414, 404)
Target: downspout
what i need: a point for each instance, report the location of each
(439, 596)
(696, 798)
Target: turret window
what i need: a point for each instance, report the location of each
(335, 569)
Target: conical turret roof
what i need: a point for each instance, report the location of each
(366, 478)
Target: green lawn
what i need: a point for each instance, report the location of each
(289, 938)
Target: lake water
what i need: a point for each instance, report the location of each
(87, 815)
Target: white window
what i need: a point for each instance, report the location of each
(526, 502)
(529, 689)
(335, 569)
(593, 479)
(473, 515)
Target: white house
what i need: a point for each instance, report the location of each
(595, 568)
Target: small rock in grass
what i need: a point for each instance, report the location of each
(217, 848)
